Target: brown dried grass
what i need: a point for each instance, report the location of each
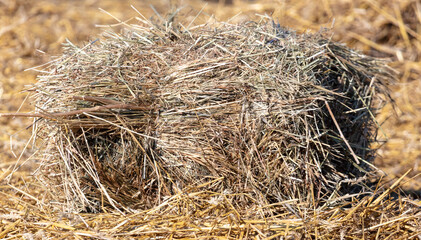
(198, 213)
(25, 208)
(135, 118)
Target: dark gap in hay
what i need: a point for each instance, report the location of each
(166, 109)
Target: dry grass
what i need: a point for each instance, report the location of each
(25, 213)
(385, 29)
(134, 118)
(209, 215)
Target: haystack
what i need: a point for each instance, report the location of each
(249, 109)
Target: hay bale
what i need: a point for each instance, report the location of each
(139, 116)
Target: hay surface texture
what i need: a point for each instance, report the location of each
(251, 110)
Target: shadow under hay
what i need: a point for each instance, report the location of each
(249, 109)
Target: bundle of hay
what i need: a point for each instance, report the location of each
(137, 117)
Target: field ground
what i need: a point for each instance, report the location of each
(33, 31)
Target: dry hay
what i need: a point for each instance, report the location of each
(253, 110)
(206, 215)
(26, 212)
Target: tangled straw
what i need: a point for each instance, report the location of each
(251, 109)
